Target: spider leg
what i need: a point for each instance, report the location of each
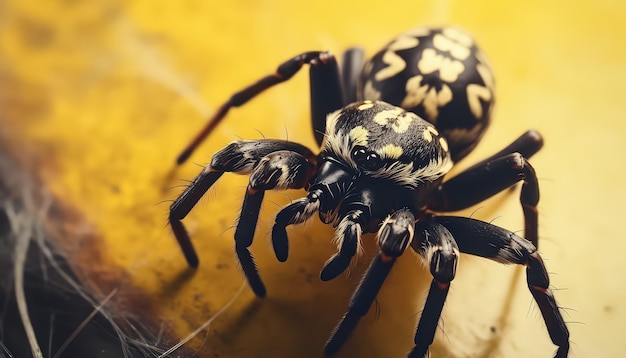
(395, 233)
(481, 182)
(244, 233)
(277, 170)
(440, 251)
(528, 144)
(351, 68)
(360, 301)
(482, 239)
(326, 94)
(240, 157)
(183, 205)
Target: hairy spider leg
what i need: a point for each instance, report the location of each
(326, 94)
(278, 170)
(436, 245)
(183, 205)
(493, 175)
(273, 164)
(479, 238)
(395, 234)
(360, 301)
(527, 144)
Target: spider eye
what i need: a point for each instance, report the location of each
(366, 159)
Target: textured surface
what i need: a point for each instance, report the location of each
(99, 98)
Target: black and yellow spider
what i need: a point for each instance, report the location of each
(389, 130)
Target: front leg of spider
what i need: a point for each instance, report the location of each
(435, 244)
(278, 170)
(395, 234)
(273, 164)
(483, 239)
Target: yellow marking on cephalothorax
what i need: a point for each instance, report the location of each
(444, 144)
(427, 136)
(397, 119)
(431, 61)
(365, 105)
(359, 136)
(391, 151)
(331, 121)
(384, 117)
(395, 63)
(429, 132)
(474, 94)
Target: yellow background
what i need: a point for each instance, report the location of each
(99, 98)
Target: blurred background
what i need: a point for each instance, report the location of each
(98, 98)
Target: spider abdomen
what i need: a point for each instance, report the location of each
(439, 74)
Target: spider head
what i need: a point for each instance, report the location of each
(376, 140)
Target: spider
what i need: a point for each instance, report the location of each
(389, 129)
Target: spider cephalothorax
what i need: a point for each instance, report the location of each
(386, 142)
(382, 169)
